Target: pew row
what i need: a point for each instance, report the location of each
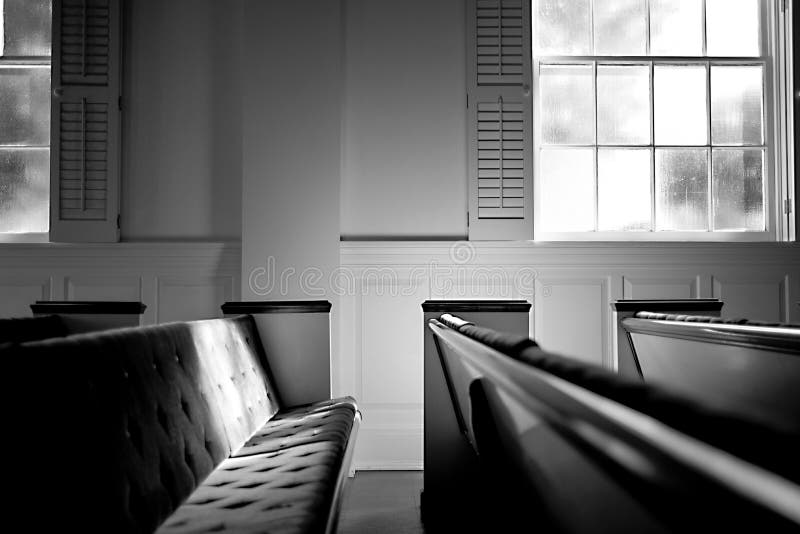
(177, 428)
(568, 447)
(744, 366)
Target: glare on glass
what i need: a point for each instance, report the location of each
(682, 189)
(562, 27)
(738, 189)
(620, 28)
(733, 27)
(25, 25)
(566, 191)
(681, 111)
(24, 190)
(24, 106)
(567, 104)
(736, 105)
(623, 190)
(676, 27)
(623, 104)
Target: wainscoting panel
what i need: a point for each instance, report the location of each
(564, 302)
(103, 288)
(662, 285)
(763, 297)
(189, 298)
(176, 281)
(571, 286)
(18, 292)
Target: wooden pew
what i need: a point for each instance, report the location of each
(742, 366)
(563, 447)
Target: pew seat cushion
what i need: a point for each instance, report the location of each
(281, 481)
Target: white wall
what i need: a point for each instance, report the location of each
(182, 120)
(292, 89)
(404, 145)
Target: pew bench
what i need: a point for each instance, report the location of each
(570, 447)
(177, 428)
(746, 366)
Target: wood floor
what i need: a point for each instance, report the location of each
(385, 502)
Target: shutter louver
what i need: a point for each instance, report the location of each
(499, 42)
(85, 146)
(500, 139)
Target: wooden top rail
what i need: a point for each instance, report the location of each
(665, 468)
(770, 336)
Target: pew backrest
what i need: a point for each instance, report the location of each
(742, 366)
(142, 415)
(598, 465)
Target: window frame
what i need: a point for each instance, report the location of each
(778, 150)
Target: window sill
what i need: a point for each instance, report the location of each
(43, 237)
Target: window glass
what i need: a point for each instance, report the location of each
(25, 115)
(660, 121)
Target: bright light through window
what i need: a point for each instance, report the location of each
(25, 43)
(650, 115)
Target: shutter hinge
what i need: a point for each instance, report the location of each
(787, 206)
(118, 226)
(783, 6)
(119, 103)
(467, 218)
(467, 100)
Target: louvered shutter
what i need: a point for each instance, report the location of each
(499, 120)
(85, 127)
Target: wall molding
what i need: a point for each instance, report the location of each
(112, 271)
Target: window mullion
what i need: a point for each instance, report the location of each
(709, 166)
(596, 153)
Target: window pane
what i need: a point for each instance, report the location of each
(567, 189)
(567, 104)
(620, 28)
(680, 100)
(676, 27)
(623, 189)
(738, 188)
(733, 27)
(24, 190)
(628, 123)
(24, 106)
(27, 27)
(562, 27)
(736, 105)
(682, 189)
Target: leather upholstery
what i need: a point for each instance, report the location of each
(148, 413)
(31, 329)
(281, 481)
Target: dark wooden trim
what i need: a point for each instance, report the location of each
(63, 307)
(667, 305)
(276, 306)
(782, 339)
(453, 306)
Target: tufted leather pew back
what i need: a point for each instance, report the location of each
(138, 417)
(20, 330)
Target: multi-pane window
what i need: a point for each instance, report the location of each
(650, 115)
(25, 43)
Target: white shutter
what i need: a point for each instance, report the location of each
(499, 120)
(86, 130)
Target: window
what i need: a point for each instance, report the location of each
(24, 116)
(649, 120)
(60, 148)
